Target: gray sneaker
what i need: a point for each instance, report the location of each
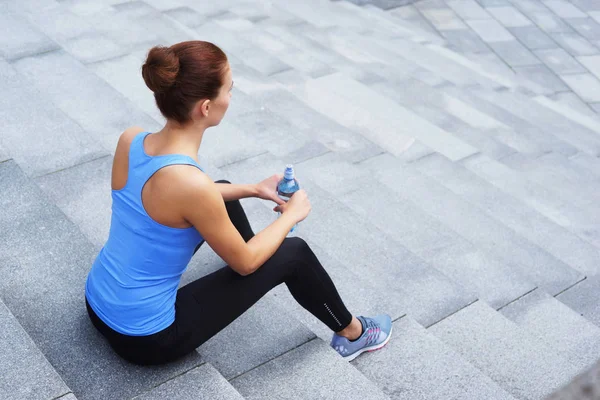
(376, 334)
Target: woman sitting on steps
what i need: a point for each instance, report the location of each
(165, 206)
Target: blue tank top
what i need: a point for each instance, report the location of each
(133, 282)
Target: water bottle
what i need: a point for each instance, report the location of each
(288, 186)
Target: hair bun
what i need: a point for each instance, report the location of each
(160, 69)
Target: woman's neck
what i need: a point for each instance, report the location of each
(173, 139)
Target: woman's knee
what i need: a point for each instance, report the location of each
(296, 241)
(297, 246)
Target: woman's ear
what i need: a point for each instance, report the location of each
(201, 108)
(205, 107)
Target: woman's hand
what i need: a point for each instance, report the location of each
(298, 205)
(267, 189)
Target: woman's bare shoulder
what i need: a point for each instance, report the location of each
(121, 159)
(180, 188)
(128, 135)
(185, 178)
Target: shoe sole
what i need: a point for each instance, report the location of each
(369, 349)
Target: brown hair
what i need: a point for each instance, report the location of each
(182, 74)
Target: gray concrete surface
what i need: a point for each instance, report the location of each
(449, 149)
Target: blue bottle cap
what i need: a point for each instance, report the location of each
(289, 172)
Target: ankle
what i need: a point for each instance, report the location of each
(352, 331)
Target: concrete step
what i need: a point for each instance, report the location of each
(293, 35)
(326, 14)
(521, 126)
(552, 85)
(513, 213)
(411, 364)
(375, 64)
(582, 386)
(589, 120)
(122, 73)
(572, 168)
(268, 130)
(452, 115)
(144, 21)
(289, 29)
(98, 31)
(233, 44)
(408, 225)
(69, 396)
(411, 14)
(372, 60)
(577, 194)
(373, 40)
(389, 50)
(113, 41)
(465, 43)
(83, 194)
(553, 124)
(3, 154)
(503, 76)
(569, 101)
(24, 371)
(380, 119)
(517, 361)
(427, 295)
(484, 232)
(384, 20)
(20, 37)
(434, 97)
(354, 59)
(488, 59)
(135, 26)
(41, 139)
(432, 52)
(217, 149)
(95, 106)
(312, 371)
(353, 117)
(584, 298)
(323, 133)
(286, 52)
(82, 29)
(44, 290)
(557, 326)
(586, 162)
(554, 172)
(539, 197)
(203, 382)
(258, 12)
(262, 333)
(460, 118)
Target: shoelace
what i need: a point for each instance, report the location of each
(373, 331)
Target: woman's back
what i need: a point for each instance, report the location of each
(133, 282)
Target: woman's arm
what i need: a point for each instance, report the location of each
(231, 191)
(201, 204)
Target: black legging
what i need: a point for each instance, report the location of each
(206, 306)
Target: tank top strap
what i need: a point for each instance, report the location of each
(137, 154)
(157, 162)
(143, 166)
(139, 159)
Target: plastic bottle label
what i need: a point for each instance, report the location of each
(284, 195)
